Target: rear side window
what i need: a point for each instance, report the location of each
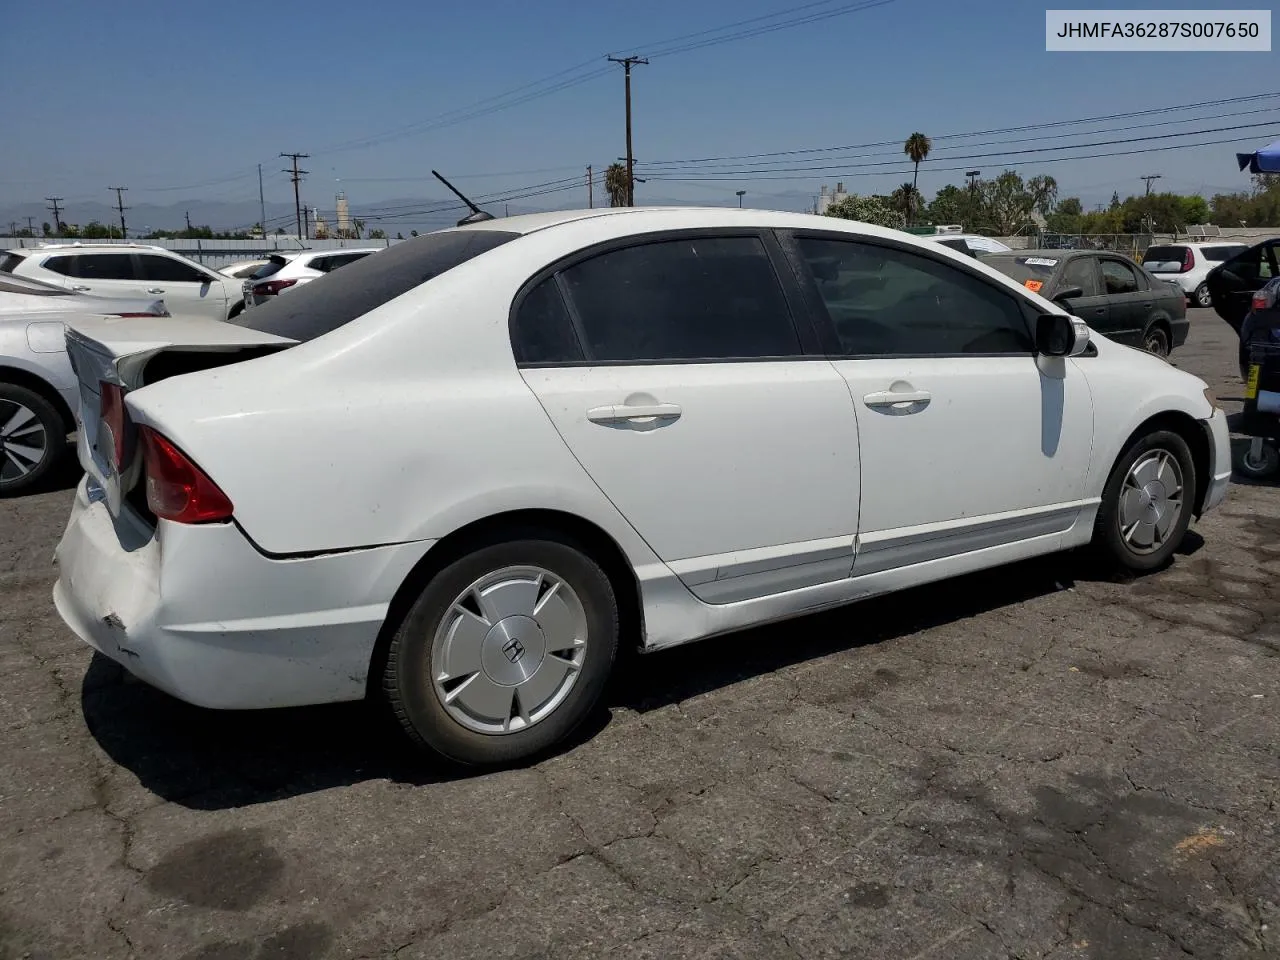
(95, 266)
(1221, 254)
(541, 330)
(319, 308)
(9, 262)
(342, 260)
(714, 298)
(1080, 272)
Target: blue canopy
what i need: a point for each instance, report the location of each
(1266, 160)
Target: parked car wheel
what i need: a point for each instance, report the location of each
(1261, 463)
(33, 438)
(505, 652)
(1147, 503)
(1202, 296)
(1156, 341)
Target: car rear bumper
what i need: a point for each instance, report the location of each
(1219, 458)
(200, 613)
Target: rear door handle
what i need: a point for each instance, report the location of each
(81, 288)
(617, 413)
(891, 398)
(155, 290)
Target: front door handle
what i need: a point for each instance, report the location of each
(81, 288)
(618, 413)
(893, 398)
(155, 290)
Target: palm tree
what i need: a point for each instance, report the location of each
(615, 184)
(359, 225)
(917, 149)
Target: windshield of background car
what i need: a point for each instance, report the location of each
(1223, 253)
(1164, 259)
(1031, 271)
(338, 298)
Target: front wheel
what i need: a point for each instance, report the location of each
(1202, 296)
(505, 652)
(33, 438)
(1156, 342)
(1146, 505)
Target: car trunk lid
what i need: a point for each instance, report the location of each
(112, 356)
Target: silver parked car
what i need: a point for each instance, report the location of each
(38, 392)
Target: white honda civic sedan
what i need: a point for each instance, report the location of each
(457, 475)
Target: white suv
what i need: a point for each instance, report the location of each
(135, 270)
(1188, 264)
(283, 271)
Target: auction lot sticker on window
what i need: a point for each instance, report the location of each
(1152, 31)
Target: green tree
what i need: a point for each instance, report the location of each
(952, 204)
(615, 184)
(93, 230)
(1006, 203)
(399, 236)
(377, 234)
(279, 231)
(917, 150)
(1066, 216)
(46, 229)
(413, 233)
(868, 210)
(907, 200)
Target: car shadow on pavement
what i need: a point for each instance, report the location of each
(207, 759)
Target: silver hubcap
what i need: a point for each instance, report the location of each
(509, 650)
(1150, 501)
(1155, 344)
(22, 441)
(1203, 297)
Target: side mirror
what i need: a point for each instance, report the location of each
(1059, 335)
(1070, 293)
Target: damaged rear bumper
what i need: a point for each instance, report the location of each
(198, 612)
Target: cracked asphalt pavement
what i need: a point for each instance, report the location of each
(1035, 761)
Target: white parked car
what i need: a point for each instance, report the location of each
(28, 296)
(462, 478)
(1188, 264)
(286, 271)
(132, 270)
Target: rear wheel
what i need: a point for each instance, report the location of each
(1156, 341)
(33, 438)
(1202, 296)
(505, 652)
(1147, 503)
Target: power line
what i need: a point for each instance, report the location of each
(982, 133)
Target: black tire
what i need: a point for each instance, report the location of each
(1108, 534)
(407, 680)
(1266, 464)
(12, 480)
(1202, 296)
(1156, 341)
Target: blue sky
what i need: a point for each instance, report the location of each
(158, 95)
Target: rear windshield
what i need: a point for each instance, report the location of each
(1222, 254)
(1022, 267)
(330, 301)
(273, 265)
(1164, 259)
(9, 262)
(961, 245)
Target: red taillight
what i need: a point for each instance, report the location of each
(1260, 301)
(1188, 261)
(113, 419)
(271, 287)
(177, 489)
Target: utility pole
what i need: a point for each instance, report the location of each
(296, 176)
(57, 219)
(306, 217)
(590, 189)
(1149, 177)
(13, 228)
(124, 234)
(262, 205)
(741, 194)
(973, 177)
(627, 63)
(187, 213)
